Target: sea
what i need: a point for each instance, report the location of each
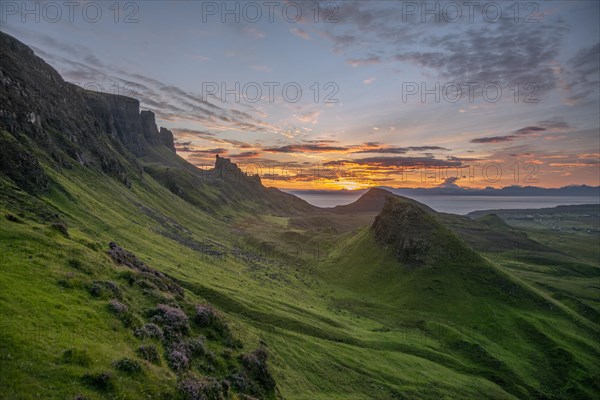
(458, 204)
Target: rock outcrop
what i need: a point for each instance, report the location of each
(67, 123)
(229, 171)
(119, 117)
(151, 133)
(165, 138)
(417, 237)
(406, 227)
(372, 201)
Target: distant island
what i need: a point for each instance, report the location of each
(571, 190)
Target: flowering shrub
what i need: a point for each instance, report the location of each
(207, 388)
(149, 352)
(117, 307)
(196, 346)
(122, 256)
(190, 389)
(150, 330)
(207, 316)
(100, 288)
(172, 319)
(178, 359)
(122, 311)
(255, 365)
(241, 382)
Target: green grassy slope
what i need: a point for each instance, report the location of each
(47, 278)
(341, 317)
(50, 266)
(507, 331)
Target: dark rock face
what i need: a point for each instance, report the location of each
(165, 137)
(119, 117)
(149, 129)
(372, 201)
(225, 164)
(229, 171)
(152, 135)
(407, 228)
(65, 123)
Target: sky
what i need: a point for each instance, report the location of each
(347, 95)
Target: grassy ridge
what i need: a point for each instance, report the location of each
(349, 323)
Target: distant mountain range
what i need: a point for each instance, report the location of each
(571, 190)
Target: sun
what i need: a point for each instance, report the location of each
(350, 185)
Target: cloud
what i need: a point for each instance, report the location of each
(583, 71)
(482, 52)
(340, 41)
(553, 124)
(308, 117)
(321, 141)
(395, 150)
(252, 31)
(374, 23)
(462, 159)
(245, 154)
(187, 149)
(494, 139)
(449, 183)
(494, 54)
(399, 162)
(370, 80)
(575, 164)
(358, 62)
(311, 148)
(184, 133)
(543, 126)
(328, 146)
(261, 68)
(529, 129)
(301, 33)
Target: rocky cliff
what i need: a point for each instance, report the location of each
(165, 138)
(152, 135)
(407, 228)
(45, 119)
(47, 123)
(416, 235)
(229, 171)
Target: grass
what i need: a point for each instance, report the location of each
(342, 319)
